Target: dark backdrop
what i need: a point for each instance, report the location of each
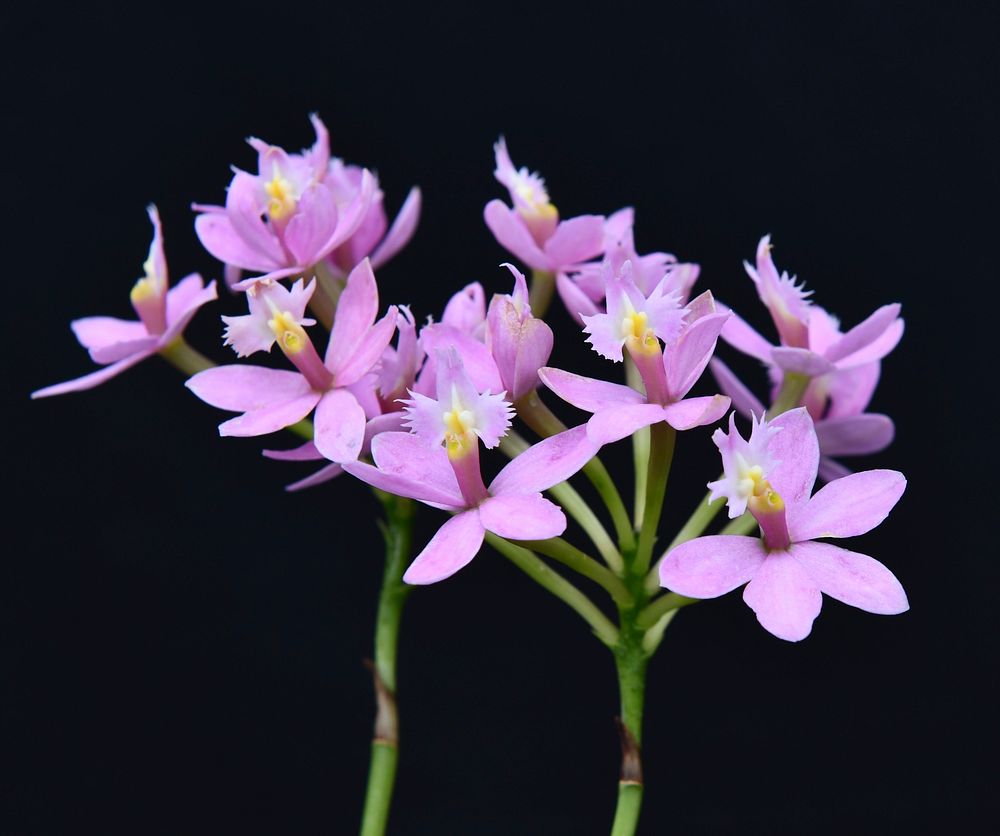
(183, 642)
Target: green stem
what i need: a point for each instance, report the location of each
(536, 568)
(533, 411)
(661, 455)
(569, 555)
(793, 387)
(543, 285)
(630, 663)
(741, 525)
(640, 449)
(397, 531)
(654, 611)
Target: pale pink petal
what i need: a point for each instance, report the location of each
(89, 381)
(546, 463)
(855, 435)
(522, 517)
(401, 231)
(314, 221)
(847, 507)
(576, 301)
(101, 331)
(269, 418)
(339, 426)
(744, 401)
(862, 335)
(352, 215)
(407, 456)
(217, 235)
(244, 388)
(800, 361)
(685, 361)
(617, 422)
(476, 357)
(741, 336)
(851, 390)
(512, 234)
(853, 578)
(368, 350)
(586, 392)
(117, 351)
(356, 312)
(784, 596)
(466, 310)
(183, 301)
(452, 547)
(708, 567)
(245, 215)
(876, 349)
(402, 485)
(576, 239)
(324, 474)
(829, 470)
(797, 452)
(304, 453)
(695, 412)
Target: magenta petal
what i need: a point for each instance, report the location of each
(401, 231)
(339, 429)
(855, 435)
(800, 361)
(101, 331)
(695, 412)
(708, 567)
(304, 453)
(89, 381)
(586, 392)
(512, 234)
(576, 239)
(744, 401)
(797, 451)
(546, 463)
(324, 474)
(454, 546)
(522, 517)
(848, 506)
(243, 388)
(616, 422)
(862, 335)
(853, 578)
(356, 312)
(741, 336)
(784, 596)
(369, 350)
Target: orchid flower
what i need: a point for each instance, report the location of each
(163, 312)
(438, 463)
(669, 374)
(786, 570)
(531, 228)
(339, 387)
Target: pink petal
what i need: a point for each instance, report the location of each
(352, 215)
(312, 225)
(356, 312)
(512, 234)
(686, 362)
(476, 357)
(466, 310)
(708, 567)
(339, 430)
(117, 351)
(245, 216)
(784, 596)
(183, 301)
(851, 390)
(369, 350)
(848, 506)
(800, 361)
(402, 486)
(576, 239)
(876, 349)
(742, 337)
(270, 417)
(101, 331)
(522, 517)
(401, 231)
(862, 335)
(829, 470)
(617, 422)
(797, 451)
(546, 463)
(855, 435)
(454, 546)
(216, 233)
(89, 381)
(576, 301)
(304, 453)
(853, 578)
(405, 455)
(324, 474)
(695, 412)
(244, 388)
(586, 392)
(744, 401)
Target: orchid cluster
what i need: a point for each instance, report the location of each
(409, 407)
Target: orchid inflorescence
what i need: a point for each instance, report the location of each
(406, 408)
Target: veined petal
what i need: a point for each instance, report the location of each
(356, 312)
(784, 596)
(614, 423)
(576, 239)
(522, 517)
(547, 463)
(587, 393)
(744, 401)
(512, 234)
(339, 426)
(855, 435)
(695, 412)
(453, 547)
(847, 507)
(708, 567)
(855, 579)
(401, 231)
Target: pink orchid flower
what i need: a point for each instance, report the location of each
(416, 465)
(531, 229)
(339, 387)
(669, 374)
(583, 288)
(163, 311)
(786, 570)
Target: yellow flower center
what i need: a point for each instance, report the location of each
(289, 334)
(281, 203)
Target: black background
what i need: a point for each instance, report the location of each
(183, 642)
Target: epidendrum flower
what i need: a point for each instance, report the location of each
(301, 209)
(786, 570)
(438, 463)
(669, 373)
(163, 312)
(339, 387)
(531, 228)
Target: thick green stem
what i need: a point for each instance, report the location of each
(540, 572)
(569, 555)
(630, 662)
(793, 387)
(543, 285)
(533, 411)
(397, 531)
(661, 455)
(640, 449)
